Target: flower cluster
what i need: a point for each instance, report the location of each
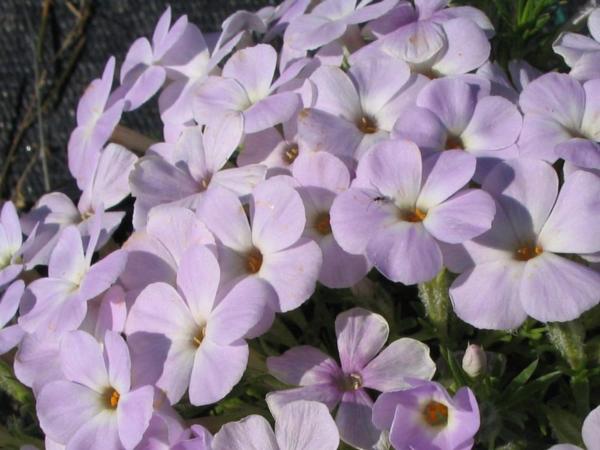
(314, 142)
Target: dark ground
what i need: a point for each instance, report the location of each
(103, 28)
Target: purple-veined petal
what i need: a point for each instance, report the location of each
(250, 433)
(304, 425)
(303, 366)
(354, 422)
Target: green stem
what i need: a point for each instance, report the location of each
(434, 295)
(568, 339)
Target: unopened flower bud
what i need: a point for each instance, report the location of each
(474, 362)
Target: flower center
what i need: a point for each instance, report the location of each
(528, 252)
(454, 142)
(254, 260)
(112, 398)
(290, 154)
(322, 224)
(204, 182)
(199, 337)
(435, 414)
(367, 125)
(412, 215)
(352, 382)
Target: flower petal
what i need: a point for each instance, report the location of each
(305, 425)
(250, 433)
(354, 420)
(303, 366)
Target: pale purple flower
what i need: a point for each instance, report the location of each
(321, 177)
(561, 120)
(399, 208)
(582, 53)
(432, 42)
(354, 110)
(98, 113)
(267, 244)
(329, 20)
(425, 416)
(192, 337)
(421, 18)
(301, 425)
(61, 298)
(10, 334)
(11, 239)
(94, 407)
(155, 252)
(246, 87)
(196, 165)
(174, 49)
(518, 266)
(458, 114)
(365, 364)
(37, 361)
(107, 187)
(590, 433)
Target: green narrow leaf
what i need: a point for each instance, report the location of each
(565, 425)
(522, 377)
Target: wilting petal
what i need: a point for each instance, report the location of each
(555, 289)
(488, 297)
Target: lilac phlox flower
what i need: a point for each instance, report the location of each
(301, 425)
(107, 187)
(148, 65)
(561, 120)
(590, 433)
(432, 41)
(457, 114)
(421, 17)
(320, 178)
(10, 334)
(521, 266)
(196, 165)
(61, 298)
(582, 53)
(399, 208)
(329, 20)
(279, 17)
(11, 240)
(98, 113)
(192, 337)
(154, 253)
(37, 361)
(267, 243)
(94, 407)
(425, 416)
(354, 110)
(247, 88)
(361, 336)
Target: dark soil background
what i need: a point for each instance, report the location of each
(91, 31)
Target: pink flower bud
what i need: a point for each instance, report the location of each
(474, 362)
